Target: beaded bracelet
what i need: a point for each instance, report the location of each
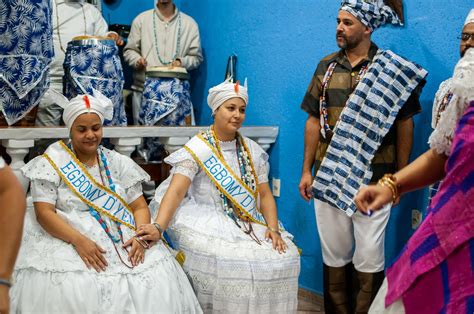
(5, 282)
(390, 181)
(274, 230)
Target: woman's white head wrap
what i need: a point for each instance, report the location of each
(98, 104)
(225, 91)
(470, 18)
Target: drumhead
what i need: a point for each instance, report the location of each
(169, 72)
(91, 40)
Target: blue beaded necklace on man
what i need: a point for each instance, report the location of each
(178, 40)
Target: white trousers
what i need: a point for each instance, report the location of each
(339, 234)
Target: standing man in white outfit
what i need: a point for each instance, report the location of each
(70, 19)
(163, 36)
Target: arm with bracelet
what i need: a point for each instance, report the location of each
(425, 170)
(153, 232)
(269, 210)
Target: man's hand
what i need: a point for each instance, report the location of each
(176, 63)
(305, 186)
(116, 37)
(141, 64)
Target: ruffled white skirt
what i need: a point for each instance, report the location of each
(238, 275)
(50, 277)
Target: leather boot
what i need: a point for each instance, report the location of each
(365, 289)
(337, 289)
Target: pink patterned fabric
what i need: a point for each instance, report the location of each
(435, 270)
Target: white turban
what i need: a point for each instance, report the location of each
(470, 18)
(98, 104)
(463, 78)
(225, 91)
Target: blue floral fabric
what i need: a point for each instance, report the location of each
(165, 101)
(26, 50)
(96, 66)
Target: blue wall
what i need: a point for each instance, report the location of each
(279, 44)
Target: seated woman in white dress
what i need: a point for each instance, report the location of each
(79, 253)
(217, 207)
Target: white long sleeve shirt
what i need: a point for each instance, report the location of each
(147, 40)
(75, 19)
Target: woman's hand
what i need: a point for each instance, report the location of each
(277, 242)
(91, 253)
(137, 252)
(149, 233)
(372, 198)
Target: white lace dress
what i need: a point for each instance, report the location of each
(229, 271)
(50, 277)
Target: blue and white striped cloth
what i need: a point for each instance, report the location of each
(372, 14)
(26, 50)
(365, 120)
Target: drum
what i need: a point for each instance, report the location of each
(92, 62)
(166, 102)
(166, 97)
(167, 72)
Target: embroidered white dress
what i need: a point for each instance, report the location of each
(229, 271)
(50, 277)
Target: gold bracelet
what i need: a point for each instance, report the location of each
(390, 181)
(274, 230)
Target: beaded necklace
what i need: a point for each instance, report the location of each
(248, 176)
(444, 103)
(106, 177)
(323, 106)
(178, 40)
(57, 26)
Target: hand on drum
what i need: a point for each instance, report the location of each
(116, 37)
(141, 64)
(176, 63)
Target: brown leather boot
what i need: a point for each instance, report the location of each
(338, 289)
(366, 288)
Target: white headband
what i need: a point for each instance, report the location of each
(224, 91)
(98, 104)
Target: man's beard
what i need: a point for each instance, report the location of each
(348, 43)
(465, 50)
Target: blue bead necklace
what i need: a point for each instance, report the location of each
(178, 40)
